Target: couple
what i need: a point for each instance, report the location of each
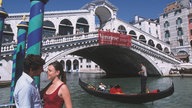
(26, 94)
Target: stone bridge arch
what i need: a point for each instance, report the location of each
(114, 60)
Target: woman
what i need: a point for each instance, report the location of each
(57, 93)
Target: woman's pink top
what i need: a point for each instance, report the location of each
(53, 100)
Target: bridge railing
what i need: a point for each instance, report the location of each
(7, 48)
(157, 51)
(69, 38)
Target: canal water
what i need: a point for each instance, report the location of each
(181, 98)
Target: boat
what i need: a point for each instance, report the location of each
(133, 98)
(5, 83)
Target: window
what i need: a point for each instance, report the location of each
(165, 15)
(181, 42)
(179, 31)
(191, 32)
(190, 21)
(168, 42)
(149, 30)
(178, 21)
(166, 24)
(167, 34)
(177, 11)
(157, 32)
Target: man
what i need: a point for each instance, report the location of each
(102, 87)
(26, 93)
(143, 74)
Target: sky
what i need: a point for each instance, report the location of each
(127, 9)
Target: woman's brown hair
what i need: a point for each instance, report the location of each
(59, 67)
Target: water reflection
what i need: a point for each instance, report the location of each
(182, 97)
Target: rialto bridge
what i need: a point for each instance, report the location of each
(75, 32)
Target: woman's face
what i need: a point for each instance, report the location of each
(52, 73)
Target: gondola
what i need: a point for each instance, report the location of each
(134, 98)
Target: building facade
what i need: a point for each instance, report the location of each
(150, 26)
(176, 30)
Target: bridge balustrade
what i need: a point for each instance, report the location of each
(50, 41)
(155, 52)
(69, 38)
(7, 48)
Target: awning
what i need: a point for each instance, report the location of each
(182, 56)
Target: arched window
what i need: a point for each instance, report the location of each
(65, 27)
(167, 34)
(158, 46)
(179, 31)
(121, 29)
(68, 65)
(178, 21)
(142, 38)
(75, 65)
(48, 29)
(166, 50)
(151, 43)
(166, 24)
(180, 42)
(82, 26)
(133, 34)
(7, 34)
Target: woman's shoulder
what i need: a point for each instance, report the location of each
(64, 88)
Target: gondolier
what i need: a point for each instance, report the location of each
(143, 74)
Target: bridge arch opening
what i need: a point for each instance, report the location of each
(65, 27)
(82, 26)
(103, 15)
(63, 63)
(76, 65)
(142, 38)
(166, 50)
(133, 34)
(121, 29)
(7, 34)
(48, 29)
(158, 46)
(68, 65)
(124, 62)
(151, 43)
